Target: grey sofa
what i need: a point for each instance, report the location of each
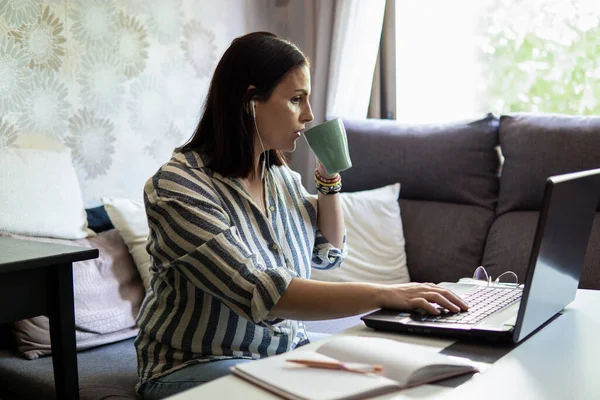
(461, 207)
(458, 212)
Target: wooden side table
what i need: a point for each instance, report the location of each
(36, 278)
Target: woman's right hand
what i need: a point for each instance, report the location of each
(412, 296)
(310, 300)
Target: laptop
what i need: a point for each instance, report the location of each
(513, 312)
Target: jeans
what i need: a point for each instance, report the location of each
(187, 378)
(196, 374)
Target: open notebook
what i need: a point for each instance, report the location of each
(404, 365)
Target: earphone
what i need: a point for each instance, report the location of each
(253, 111)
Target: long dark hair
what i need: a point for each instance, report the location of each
(225, 134)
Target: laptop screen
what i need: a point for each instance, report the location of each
(559, 248)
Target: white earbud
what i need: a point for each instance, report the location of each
(253, 110)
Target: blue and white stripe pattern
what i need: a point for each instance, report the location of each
(219, 265)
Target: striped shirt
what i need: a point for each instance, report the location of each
(219, 265)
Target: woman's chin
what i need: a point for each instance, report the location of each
(290, 148)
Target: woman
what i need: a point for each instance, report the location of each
(233, 234)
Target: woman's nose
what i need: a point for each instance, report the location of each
(307, 115)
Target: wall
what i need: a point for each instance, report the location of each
(118, 82)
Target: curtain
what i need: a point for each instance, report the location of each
(355, 43)
(383, 94)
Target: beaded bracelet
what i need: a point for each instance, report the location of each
(321, 178)
(329, 189)
(328, 186)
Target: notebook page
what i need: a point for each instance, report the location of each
(400, 361)
(298, 382)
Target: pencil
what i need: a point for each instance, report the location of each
(351, 367)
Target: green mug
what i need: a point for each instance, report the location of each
(329, 143)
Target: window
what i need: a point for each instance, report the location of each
(460, 58)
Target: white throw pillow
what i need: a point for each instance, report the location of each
(129, 218)
(40, 194)
(375, 239)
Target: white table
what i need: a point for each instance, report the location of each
(562, 361)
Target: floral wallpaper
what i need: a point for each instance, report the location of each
(118, 82)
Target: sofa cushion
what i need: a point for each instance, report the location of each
(105, 372)
(98, 219)
(536, 146)
(40, 194)
(455, 162)
(510, 241)
(374, 239)
(107, 293)
(444, 242)
(129, 217)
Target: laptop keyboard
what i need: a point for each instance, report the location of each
(482, 301)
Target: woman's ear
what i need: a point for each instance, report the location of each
(250, 107)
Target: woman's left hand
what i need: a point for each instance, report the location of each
(323, 171)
